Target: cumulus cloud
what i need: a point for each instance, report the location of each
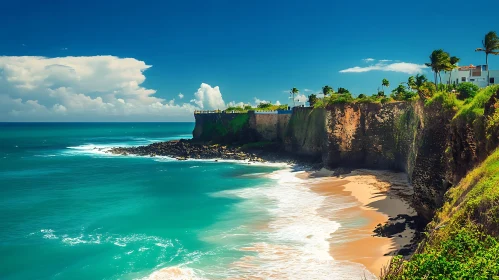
(180, 96)
(93, 88)
(401, 67)
(367, 60)
(300, 98)
(307, 90)
(208, 98)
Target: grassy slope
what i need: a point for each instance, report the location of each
(463, 238)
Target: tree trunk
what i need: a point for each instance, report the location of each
(488, 72)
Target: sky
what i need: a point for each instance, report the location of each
(161, 60)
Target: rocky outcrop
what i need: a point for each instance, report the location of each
(185, 149)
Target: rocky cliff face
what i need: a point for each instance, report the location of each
(305, 135)
(431, 143)
(371, 135)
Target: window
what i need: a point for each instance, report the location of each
(472, 80)
(492, 80)
(463, 79)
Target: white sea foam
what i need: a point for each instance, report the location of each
(294, 245)
(48, 234)
(174, 272)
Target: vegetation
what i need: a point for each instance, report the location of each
(490, 45)
(467, 90)
(384, 83)
(343, 90)
(312, 99)
(327, 90)
(294, 91)
(262, 106)
(463, 243)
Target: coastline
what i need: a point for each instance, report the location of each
(375, 219)
(373, 198)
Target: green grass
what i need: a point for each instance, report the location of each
(475, 107)
(447, 100)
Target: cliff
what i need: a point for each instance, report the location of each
(447, 147)
(436, 143)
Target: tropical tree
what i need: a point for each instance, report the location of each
(452, 65)
(343, 90)
(327, 90)
(384, 83)
(411, 83)
(293, 92)
(420, 85)
(439, 61)
(312, 99)
(490, 45)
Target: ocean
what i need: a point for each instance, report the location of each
(71, 211)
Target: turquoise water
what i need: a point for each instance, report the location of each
(70, 211)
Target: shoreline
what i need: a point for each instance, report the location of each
(375, 223)
(374, 198)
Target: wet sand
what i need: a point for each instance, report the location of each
(369, 198)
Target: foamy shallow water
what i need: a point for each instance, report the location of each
(292, 245)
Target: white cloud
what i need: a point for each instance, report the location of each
(402, 67)
(94, 88)
(209, 98)
(300, 98)
(367, 60)
(385, 60)
(277, 103)
(307, 90)
(180, 96)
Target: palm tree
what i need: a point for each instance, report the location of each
(326, 90)
(453, 65)
(439, 61)
(411, 83)
(420, 80)
(293, 92)
(384, 83)
(490, 45)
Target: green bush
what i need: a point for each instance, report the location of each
(467, 90)
(448, 101)
(476, 106)
(467, 254)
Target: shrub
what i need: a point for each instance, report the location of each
(467, 90)
(474, 107)
(448, 101)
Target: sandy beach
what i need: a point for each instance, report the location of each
(369, 198)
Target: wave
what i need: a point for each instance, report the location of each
(174, 272)
(106, 238)
(295, 242)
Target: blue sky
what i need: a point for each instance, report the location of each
(248, 49)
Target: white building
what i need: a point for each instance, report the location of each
(473, 74)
